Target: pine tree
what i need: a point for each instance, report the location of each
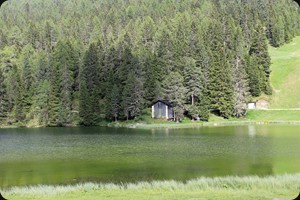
(63, 59)
(42, 89)
(27, 76)
(89, 88)
(193, 79)
(152, 85)
(240, 81)
(259, 50)
(4, 110)
(54, 98)
(203, 105)
(254, 76)
(175, 91)
(220, 87)
(85, 105)
(132, 96)
(114, 102)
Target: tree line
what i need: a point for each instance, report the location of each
(82, 61)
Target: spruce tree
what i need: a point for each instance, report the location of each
(4, 110)
(152, 85)
(220, 86)
(89, 87)
(175, 91)
(254, 75)
(54, 98)
(114, 103)
(132, 96)
(42, 88)
(259, 52)
(193, 79)
(240, 81)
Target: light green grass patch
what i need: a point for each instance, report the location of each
(285, 77)
(274, 115)
(252, 187)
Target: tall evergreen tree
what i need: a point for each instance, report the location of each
(175, 91)
(193, 79)
(259, 50)
(4, 110)
(54, 98)
(240, 81)
(220, 87)
(27, 76)
(89, 87)
(114, 102)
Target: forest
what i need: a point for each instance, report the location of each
(80, 62)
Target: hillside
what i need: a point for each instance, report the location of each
(68, 63)
(285, 81)
(285, 76)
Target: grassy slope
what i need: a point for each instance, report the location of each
(279, 187)
(285, 76)
(285, 80)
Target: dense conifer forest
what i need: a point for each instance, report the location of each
(77, 62)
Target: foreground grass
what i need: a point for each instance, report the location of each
(273, 187)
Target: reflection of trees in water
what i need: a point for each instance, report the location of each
(255, 151)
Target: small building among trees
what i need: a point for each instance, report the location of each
(251, 105)
(162, 109)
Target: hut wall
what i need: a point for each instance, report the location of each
(170, 112)
(159, 110)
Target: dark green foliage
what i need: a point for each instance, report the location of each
(77, 62)
(132, 96)
(240, 79)
(3, 99)
(176, 92)
(114, 103)
(42, 89)
(152, 86)
(253, 72)
(220, 84)
(259, 52)
(54, 98)
(193, 79)
(204, 106)
(90, 88)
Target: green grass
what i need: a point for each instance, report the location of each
(285, 76)
(273, 115)
(272, 187)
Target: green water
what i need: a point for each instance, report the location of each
(74, 155)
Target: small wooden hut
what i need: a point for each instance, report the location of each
(162, 109)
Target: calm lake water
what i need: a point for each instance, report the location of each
(73, 155)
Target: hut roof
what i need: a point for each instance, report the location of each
(167, 102)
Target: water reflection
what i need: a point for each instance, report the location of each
(251, 131)
(52, 156)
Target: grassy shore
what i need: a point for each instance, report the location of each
(253, 187)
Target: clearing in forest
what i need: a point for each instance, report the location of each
(285, 76)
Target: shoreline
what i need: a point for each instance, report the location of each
(284, 186)
(141, 125)
(201, 124)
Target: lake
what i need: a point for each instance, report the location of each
(118, 155)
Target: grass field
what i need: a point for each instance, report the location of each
(284, 187)
(274, 116)
(285, 81)
(285, 76)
